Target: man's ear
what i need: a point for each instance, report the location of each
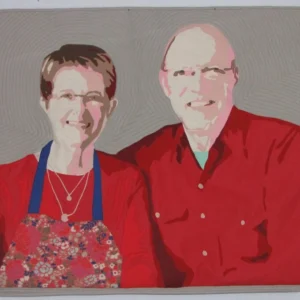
(236, 74)
(235, 70)
(113, 103)
(163, 79)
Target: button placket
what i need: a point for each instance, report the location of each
(202, 214)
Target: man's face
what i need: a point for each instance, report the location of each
(199, 78)
(78, 107)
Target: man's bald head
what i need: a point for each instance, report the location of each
(198, 75)
(203, 38)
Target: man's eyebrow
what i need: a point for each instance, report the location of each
(215, 68)
(96, 92)
(179, 72)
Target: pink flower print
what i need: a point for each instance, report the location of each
(102, 277)
(60, 267)
(95, 229)
(43, 269)
(61, 229)
(64, 245)
(81, 267)
(35, 238)
(56, 241)
(90, 279)
(22, 240)
(99, 256)
(3, 279)
(14, 270)
(73, 251)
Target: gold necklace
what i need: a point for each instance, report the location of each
(64, 216)
(69, 194)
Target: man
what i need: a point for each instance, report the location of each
(225, 194)
(69, 211)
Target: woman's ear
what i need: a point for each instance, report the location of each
(43, 104)
(112, 105)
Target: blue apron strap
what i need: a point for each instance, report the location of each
(97, 199)
(38, 184)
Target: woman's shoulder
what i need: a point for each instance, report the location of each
(18, 168)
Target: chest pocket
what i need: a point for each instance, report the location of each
(172, 223)
(247, 241)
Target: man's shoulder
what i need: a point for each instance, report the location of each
(152, 144)
(264, 126)
(112, 165)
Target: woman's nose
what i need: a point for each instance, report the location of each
(78, 107)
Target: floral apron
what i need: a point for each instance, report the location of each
(51, 253)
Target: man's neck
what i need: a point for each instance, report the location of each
(71, 160)
(198, 141)
(202, 140)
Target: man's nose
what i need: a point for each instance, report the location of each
(196, 84)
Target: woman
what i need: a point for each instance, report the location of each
(72, 216)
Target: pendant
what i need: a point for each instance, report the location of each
(64, 217)
(69, 198)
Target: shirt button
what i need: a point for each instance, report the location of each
(157, 215)
(243, 222)
(200, 186)
(204, 253)
(202, 216)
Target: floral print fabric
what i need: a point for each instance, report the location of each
(50, 253)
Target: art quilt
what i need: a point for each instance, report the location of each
(149, 148)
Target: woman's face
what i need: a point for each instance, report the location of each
(78, 107)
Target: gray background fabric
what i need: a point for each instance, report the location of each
(266, 43)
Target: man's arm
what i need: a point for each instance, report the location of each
(140, 267)
(128, 154)
(282, 224)
(283, 207)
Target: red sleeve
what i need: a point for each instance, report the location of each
(140, 267)
(128, 154)
(283, 205)
(281, 233)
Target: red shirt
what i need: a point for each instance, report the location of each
(125, 210)
(237, 222)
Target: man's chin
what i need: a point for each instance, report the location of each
(197, 126)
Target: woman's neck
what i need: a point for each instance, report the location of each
(70, 160)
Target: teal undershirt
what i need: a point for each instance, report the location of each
(201, 158)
